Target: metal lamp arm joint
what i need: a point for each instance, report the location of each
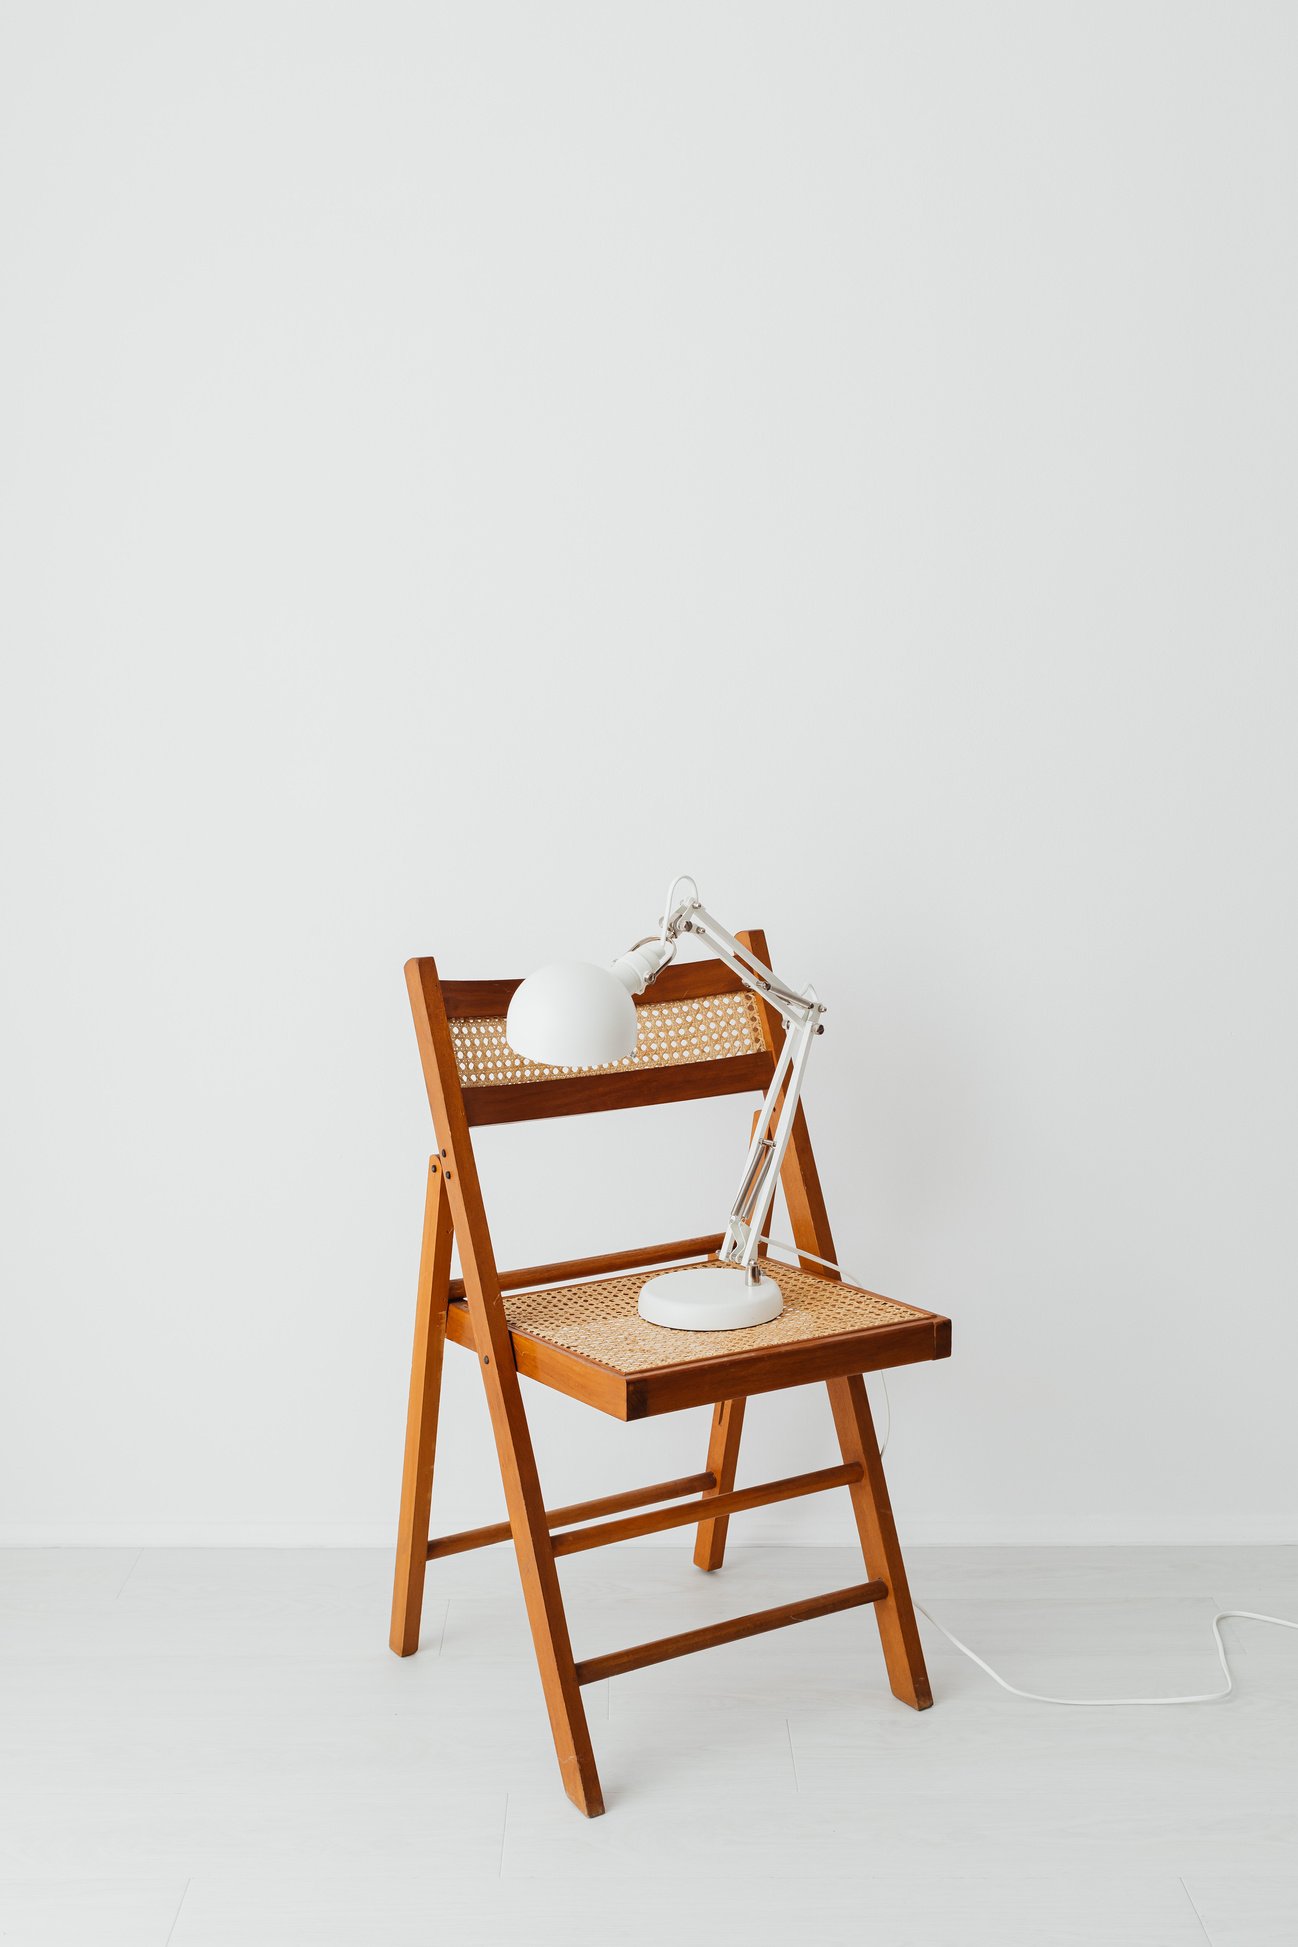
(691, 917)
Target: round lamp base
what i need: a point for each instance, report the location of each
(706, 1299)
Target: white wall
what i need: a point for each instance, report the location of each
(464, 464)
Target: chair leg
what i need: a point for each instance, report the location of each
(898, 1630)
(541, 1591)
(553, 1647)
(723, 1459)
(421, 1418)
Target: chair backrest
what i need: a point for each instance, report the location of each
(701, 1033)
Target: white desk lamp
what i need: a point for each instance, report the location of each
(575, 1015)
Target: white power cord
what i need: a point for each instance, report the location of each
(1108, 1703)
(1036, 1696)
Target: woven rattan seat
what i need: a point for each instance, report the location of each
(589, 1338)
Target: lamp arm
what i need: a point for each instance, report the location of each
(691, 917)
(642, 963)
(801, 1015)
(771, 1134)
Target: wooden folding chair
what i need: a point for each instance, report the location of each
(574, 1326)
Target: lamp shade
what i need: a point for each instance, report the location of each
(572, 1015)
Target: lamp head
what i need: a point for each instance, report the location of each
(576, 1015)
(572, 1015)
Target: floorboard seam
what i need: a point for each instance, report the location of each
(135, 1562)
(1195, 1911)
(176, 1915)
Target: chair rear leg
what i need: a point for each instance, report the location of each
(723, 1459)
(421, 1417)
(898, 1630)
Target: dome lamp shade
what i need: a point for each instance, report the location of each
(572, 1014)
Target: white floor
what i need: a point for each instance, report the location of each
(216, 1747)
